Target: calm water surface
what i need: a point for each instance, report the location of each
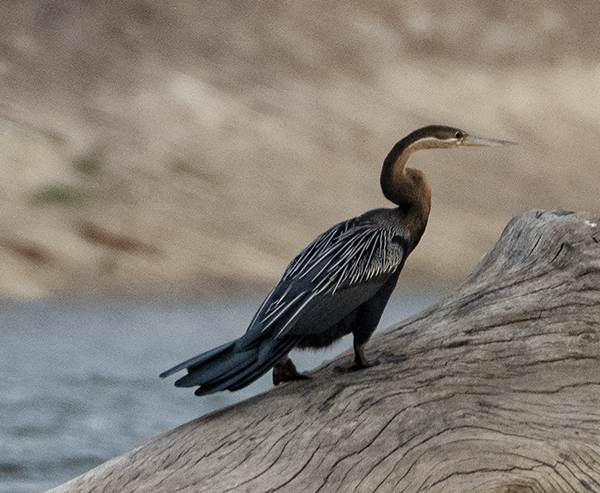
(79, 381)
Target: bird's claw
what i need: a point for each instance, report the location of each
(286, 372)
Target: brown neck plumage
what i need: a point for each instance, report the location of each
(406, 187)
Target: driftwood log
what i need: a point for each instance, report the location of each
(494, 389)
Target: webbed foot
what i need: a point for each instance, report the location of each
(285, 371)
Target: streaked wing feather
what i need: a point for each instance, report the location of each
(349, 254)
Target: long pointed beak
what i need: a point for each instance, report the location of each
(474, 140)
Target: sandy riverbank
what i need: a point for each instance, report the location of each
(150, 147)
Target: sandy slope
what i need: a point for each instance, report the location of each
(205, 144)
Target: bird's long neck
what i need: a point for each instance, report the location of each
(406, 187)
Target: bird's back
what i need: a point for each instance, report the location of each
(341, 269)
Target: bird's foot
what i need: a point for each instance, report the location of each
(363, 363)
(285, 371)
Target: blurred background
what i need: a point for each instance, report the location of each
(179, 154)
(198, 146)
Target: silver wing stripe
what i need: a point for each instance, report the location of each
(346, 255)
(297, 313)
(352, 264)
(281, 311)
(303, 263)
(260, 309)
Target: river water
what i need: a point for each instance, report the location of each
(79, 381)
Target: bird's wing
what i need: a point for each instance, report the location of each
(353, 257)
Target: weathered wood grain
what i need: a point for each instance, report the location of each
(494, 389)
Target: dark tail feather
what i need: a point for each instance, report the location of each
(264, 368)
(228, 367)
(216, 369)
(197, 360)
(252, 372)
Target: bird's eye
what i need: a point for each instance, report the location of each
(459, 134)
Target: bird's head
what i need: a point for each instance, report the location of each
(393, 183)
(442, 137)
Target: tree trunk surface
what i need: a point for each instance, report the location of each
(496, 388)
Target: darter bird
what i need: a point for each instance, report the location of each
(338, 285)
